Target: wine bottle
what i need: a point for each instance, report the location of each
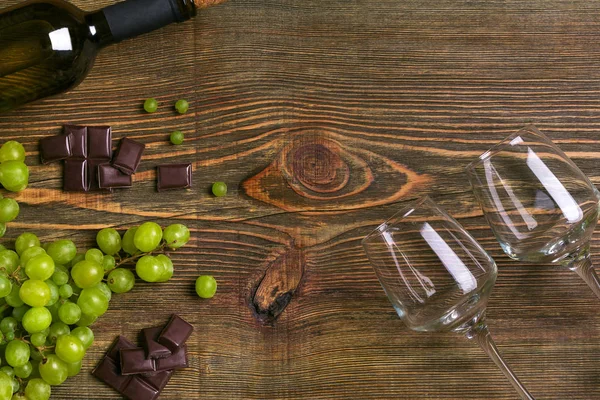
(48, 46)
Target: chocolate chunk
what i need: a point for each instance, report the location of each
(93, 167)
(128, 156)
(110, 177)
(75, 176)
(133, 361)
(79, 140)
(55, 148)
(174, 176)
(159, 379)
(175, 333)
(177, 360)
(108, 372)
(151, 345)
(121, 342)
(138, 389)
(99, 142)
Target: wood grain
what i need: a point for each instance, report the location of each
(323, 117)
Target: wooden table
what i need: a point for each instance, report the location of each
(323, 117)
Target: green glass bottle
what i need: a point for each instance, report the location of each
(47, 47)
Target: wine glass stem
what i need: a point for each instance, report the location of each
(584, 268)
(481, 335)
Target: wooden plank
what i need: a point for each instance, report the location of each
(323, 117)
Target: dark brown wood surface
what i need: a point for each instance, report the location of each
(323, 117)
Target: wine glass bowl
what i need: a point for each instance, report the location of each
(436, 275)
(539, 204)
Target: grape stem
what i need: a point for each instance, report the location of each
(134, 257)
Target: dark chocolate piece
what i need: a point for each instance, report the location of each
(175, 333)
(133, 361)
(110, 177)
(177, 360)
(151, 345)
(108, 372)
(75, 176)
(121, 342)
(159, 379)
(138, 389)
(174, 176)
(99, 142)
(55, 148)
(92, 177)
(79, 140)
(128, 156)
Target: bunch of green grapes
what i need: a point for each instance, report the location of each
(51, 294)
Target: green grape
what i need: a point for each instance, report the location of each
(53, 370)
(60, 275)
(149, 268)
(2, 229)
(73, 368)
(9, 260)
(23, 371)
(34, 293)
(9, 209)
(92, 302)
(69, 348)
(25, 240)
(176, 137)
(69, 313)
(219, 189)
(127, 241)
(62, 251)
(121, 280)
(176, 235)
(109, 241)
(37, 389)
(9, 335)
(206, 286)
(86, 320)
(5, 286)
(78, 257)
(38, 339)
(40, 267)
(84, 334)
(148, 236)
(54, 296)
(5, 386)
(16, 353)
(168, 267)
(58, 329)
(18, 312)
(105, 290)
(29, 253)
(95, 255)
(2, 341)
(108, 263)
(13, 299)
(8, 371)
(8, 324)
(15, 385)
(14, 175)
(182, 106)
(12, 151)
(87, 273)
(151, 105)
(36, 319)
(35, 354)
(65, 291)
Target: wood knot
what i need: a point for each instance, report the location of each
(318, 166)
(316, 170)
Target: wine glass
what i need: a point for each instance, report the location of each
(540, 206)
(436, 275)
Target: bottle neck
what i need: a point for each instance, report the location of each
(132, 18)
